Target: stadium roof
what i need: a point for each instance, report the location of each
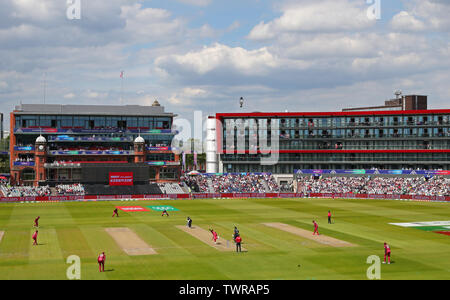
(120, 110)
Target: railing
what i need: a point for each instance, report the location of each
(23, 163)
(89, 139)
(160, 148)
(62, 165)
(221, 195)
(23, 148)
(91, 152)
(94, 130)
(164, 163)
(343, 148)
(357, 124)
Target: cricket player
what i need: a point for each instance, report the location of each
(236, 232)
(329, 217)
(189, 222)
(34, 237)
(116, 213)
(101, 262)
(387, 252)
(238, 241)
(316, 228)
(215, 235)
(36, 221)
(164, 213)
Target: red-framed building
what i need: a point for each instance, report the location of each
(356, 139)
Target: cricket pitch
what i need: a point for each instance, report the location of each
(206, 237)
(323, 239)
(129, 241)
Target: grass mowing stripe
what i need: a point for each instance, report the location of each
(73, 242)
(48, 246)
(160, 239)
(99, 241)
(47, 252)
(5, 215)
(263, 238)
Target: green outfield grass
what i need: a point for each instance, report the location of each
(75, 228)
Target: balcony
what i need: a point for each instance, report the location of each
(66, 138)
(96, 130)
(24, 148)
(23, 164)
(62, 165)
(163, 163)
(91, 152)
(160, 148)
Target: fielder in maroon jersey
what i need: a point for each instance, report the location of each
(101, 262)
(34, 237)
(387, 252)
(36, 221)
(316, 228)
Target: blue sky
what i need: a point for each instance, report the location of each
(296, 55)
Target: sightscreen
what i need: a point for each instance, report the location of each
(101, 174)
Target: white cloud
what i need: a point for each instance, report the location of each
(431, 15)
(193, 92)
(254, 62)
(196, 2)
(404, 21)
(235, 25)
(251, 62)
(69, 96)
(315, 16)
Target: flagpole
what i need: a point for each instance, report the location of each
(45, 85)
(121, 89)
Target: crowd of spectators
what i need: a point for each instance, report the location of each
(248, 183)
(24, 159)
(197, 183)
(422, 186)
(159, 145)
(70, 189)
(63, 163)
(232, 183)
(25, 191)
(262, 183)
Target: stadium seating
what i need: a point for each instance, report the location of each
(70, 189)
(100, 189)
(232, 183)
(171, 188)
(25, 191)
(435, 186)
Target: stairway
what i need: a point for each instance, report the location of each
(210, 185)
(266, 186)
